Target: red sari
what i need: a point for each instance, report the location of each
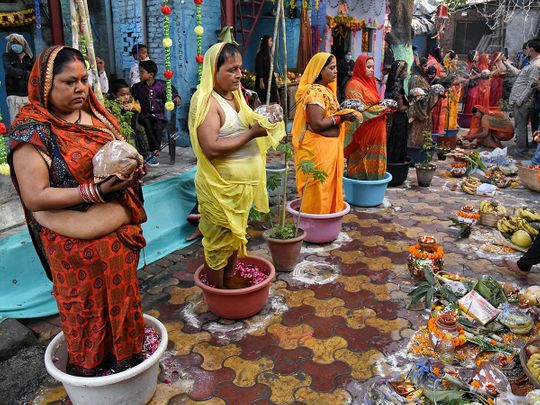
(496, 91)
(485, 83)
(94, 281)
(439, 113)
(365, 148)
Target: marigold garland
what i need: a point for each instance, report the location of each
(4, 167)
(417, 252)
(458, 164)
(468, 215)
(167, 43)
(457, 341)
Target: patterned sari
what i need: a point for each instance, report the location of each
(94, 281)
(365, 144)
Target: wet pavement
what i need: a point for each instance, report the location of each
(330, 326)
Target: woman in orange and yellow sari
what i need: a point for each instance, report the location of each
(365, 145)
(318, 134)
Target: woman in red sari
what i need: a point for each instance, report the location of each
(498, 72)
(365, 144)
(88, 237)
(471, 91)
(440, 110)
(485, 81)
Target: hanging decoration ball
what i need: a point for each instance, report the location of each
(198, 2)
(167, 42)
(165, 9)
(169, 105)
(168, 74)
(199, 30)
(200, 59)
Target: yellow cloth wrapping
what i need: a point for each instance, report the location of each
(224, 204)
(325, 152)
(454, 93)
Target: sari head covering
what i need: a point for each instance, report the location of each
(496, 57)
(18, 39)
(223, 205)
(310, 75)
(450, 60)
(472, 57)
(483, 62)
(394, 78)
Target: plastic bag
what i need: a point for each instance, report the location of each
(417, 92)
(273, 112)
(486, 189)
(116, 158)
(389, 103)
(491, 379)
(437, 89)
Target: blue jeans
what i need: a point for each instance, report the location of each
(536, 158)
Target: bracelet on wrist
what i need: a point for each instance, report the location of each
(90, 193)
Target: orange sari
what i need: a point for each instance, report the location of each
(325, 152)
(485, 84)
(94, 281)
(365, 144)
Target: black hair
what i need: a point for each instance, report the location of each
(117, 85)
(524, 46)
(264, 49)
(228, 51)
(66, 55)
(414, 48)
(534, 44)
(150, 66)
(452, 54)
(328, 61)
(394, 80)
(135, 49)
(436, 53)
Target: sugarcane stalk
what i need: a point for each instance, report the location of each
(276, 26)
(285, 111)
(75, 27)
(82, 6)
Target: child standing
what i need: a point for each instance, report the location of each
(127, 106)
(151, 94)
(139, 53)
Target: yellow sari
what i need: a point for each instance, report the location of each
(454, 94)
(224, 203)
(325, 152)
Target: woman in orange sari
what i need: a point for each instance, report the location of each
(498, 72)
(317, 136)
(88, 237)
(489, 128)
(365, 145)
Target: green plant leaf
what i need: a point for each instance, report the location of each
(287, 149)
(429, 277)
(443, 396)
(273, 182)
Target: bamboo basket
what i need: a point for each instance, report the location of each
(523, 358)
(502, 241)
(489, 219)
(529, 177)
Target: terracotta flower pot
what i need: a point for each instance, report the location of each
(319, 228)
(285, 252)
(242, 302)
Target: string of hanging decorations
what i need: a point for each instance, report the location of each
(17, 18)
(4, 167)
(199, 31)
(351, 22)
(167, 43)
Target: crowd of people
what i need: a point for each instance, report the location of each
(88, 234)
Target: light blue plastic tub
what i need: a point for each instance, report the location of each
(365, 193)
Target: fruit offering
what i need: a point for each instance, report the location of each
(528, 214)
(511, 225)
(492, 207)
(533, 364)
(470, 184)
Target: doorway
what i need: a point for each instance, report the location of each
(341, 41)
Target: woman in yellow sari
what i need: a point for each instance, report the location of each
(454, 92)
(318, 134)
(230, 142)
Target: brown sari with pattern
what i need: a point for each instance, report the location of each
(94, 281)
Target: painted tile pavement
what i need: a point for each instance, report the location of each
(330, 326)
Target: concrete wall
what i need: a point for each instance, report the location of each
(366, 9)
(522, 28)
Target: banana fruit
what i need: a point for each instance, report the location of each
(492, 207)
(509, 225)
(470, 184)
(533, 364)
(528, 214)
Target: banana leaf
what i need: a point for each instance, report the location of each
(491, 290)
(444, 396)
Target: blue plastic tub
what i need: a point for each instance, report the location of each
(365, 193)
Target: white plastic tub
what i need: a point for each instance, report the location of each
(135, 386)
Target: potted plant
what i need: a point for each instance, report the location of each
(425, 170)
(285, 238)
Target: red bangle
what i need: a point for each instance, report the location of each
(83, 194)
(337, 119)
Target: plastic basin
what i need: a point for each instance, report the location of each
(135, 386)
(366, 193)
(399, 172)
(242, 302)
(319, 228)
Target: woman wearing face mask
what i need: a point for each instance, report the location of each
(365, 145)
(18, 61)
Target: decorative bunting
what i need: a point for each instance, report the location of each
(167, 43)
(17, 18)
(199, 31)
